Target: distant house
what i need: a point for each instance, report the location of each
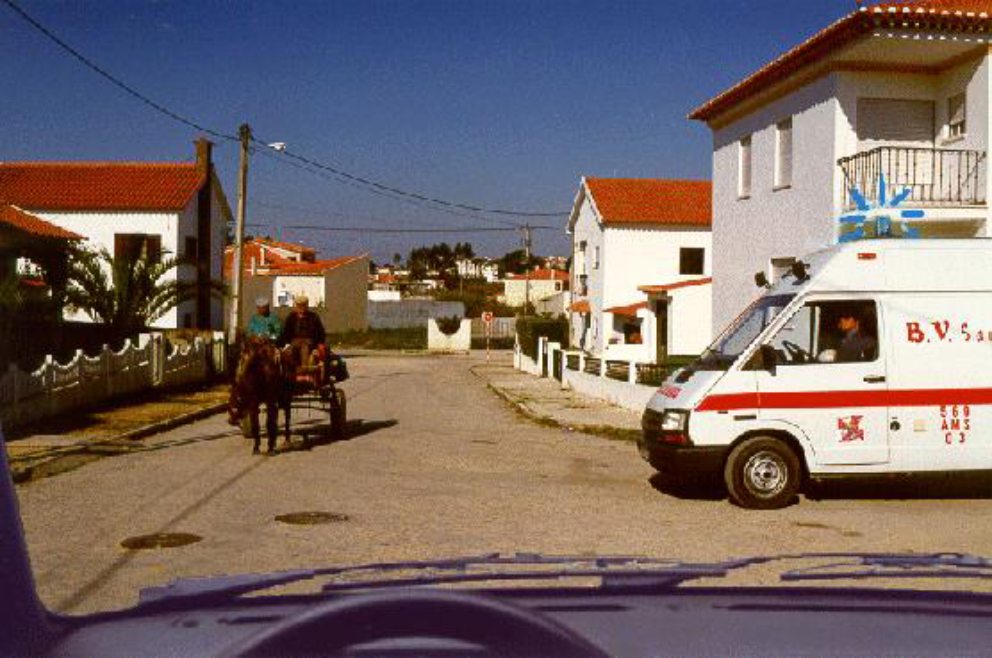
(176, 209)
(33, 251)
(478, 268)
(900, 90)
(518, 289)
(640, 267)
(280, 271)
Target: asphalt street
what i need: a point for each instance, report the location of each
(433, 465)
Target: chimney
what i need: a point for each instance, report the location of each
(204, 153)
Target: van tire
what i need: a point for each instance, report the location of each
(762, 473)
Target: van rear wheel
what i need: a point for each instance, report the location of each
(762, 473)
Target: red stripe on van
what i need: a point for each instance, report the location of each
(838, 399)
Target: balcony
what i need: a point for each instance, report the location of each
(936, 177)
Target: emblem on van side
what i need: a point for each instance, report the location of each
(874, 218)
(670, 391)
(850, 429)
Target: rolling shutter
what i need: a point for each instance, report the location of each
(887, 121)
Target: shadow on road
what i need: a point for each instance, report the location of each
(702, 489)
(316, 433)
(905, 487)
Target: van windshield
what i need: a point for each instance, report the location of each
(741, 333)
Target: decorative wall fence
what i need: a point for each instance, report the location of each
(86, 381)
(501, 328)
(625, 383)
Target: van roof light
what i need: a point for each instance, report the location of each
(867, 255)
(800, 270)
(760, 280)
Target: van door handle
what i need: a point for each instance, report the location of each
(875, 379)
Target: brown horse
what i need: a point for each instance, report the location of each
(260, 380)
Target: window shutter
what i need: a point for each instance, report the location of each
(153, 247)
(888, 121)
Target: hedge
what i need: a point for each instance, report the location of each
(530, 328)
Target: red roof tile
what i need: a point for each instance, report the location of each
(17, 218)
(652, 201)
(629, 309)
(542, 275)
(944, 15)
(314, 269)
(675, 286)
(288, 246)
(115, 186)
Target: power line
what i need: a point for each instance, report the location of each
(368, 184)
(367, 229)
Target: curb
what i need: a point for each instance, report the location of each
(21, 475)
(605, 432)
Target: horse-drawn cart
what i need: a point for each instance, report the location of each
(313, 387)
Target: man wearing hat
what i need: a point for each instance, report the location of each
(264, 323)
(303, 330)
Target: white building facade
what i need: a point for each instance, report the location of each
(176, 210)
(641, 268)
(533, 287)
(901, 92)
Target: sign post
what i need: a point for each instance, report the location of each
(487, 317)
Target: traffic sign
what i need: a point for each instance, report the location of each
(487, 317)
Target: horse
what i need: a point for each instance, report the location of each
(260, 380)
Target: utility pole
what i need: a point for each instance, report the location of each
(526, 232)
(244, 133)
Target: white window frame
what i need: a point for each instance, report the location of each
(745, 168)
(957, 127)
(783, 154)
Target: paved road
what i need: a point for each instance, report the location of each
(436, 465)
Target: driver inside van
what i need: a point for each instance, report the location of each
(855, 342)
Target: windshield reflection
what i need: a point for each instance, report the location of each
(742, 332)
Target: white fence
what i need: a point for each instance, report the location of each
(86, 381)
(624, 383)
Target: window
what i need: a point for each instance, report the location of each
(130, 246)
(744, 169)
(691, 260)
(779, 267)
(191, 249)
(595, 258)
(783, 154)
(956, 123)
(828, 332)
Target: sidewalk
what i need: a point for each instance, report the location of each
(58, 444)
(543, 401)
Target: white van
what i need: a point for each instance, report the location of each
(868, 357)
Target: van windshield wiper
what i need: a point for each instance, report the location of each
(894, 565)
(613, 572)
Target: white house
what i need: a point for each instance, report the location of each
(899, 90)
(177, 209)
(641, 268)
(534, 286)
(478, 268)
(280, 271)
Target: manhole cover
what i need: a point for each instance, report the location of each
(311, 518)
(161, 540)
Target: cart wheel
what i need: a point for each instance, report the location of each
(339, 413)
(246, 427)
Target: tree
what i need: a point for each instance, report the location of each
(516, 262)
(397, 259)
(127, 294)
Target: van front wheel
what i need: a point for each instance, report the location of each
(762, 473)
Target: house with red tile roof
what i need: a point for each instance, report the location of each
(280, 272)
(177, 209)
(535, 286)
(630, 234)
(899, 90)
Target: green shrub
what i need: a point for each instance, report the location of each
(530, 328)
(449, 326)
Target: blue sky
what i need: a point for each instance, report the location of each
(499, 103)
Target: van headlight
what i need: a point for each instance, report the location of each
(674, 420)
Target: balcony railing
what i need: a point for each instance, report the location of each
(936, 177)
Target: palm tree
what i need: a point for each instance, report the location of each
(126, 294)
